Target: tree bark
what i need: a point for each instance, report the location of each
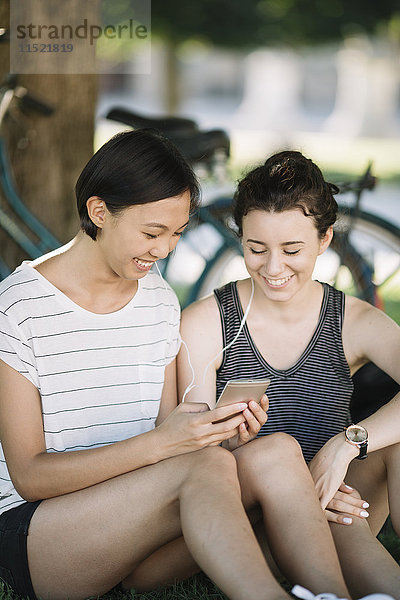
(172, 89)
(48, 153)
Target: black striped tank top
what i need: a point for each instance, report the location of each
(311, 399)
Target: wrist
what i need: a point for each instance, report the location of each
(342, 447)
(349, 450)
(157, 446)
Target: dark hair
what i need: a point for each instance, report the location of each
(286, 181)
(134, 167)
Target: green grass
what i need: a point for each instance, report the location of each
(390, 540)
(195, 588)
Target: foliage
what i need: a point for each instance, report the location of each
(252, 23)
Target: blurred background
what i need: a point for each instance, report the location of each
(320, 76)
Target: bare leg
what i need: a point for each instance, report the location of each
(170, 563)
(273, 474)
(173, 562)
(366, 564)
(82, 544)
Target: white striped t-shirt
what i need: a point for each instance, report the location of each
(100, 376)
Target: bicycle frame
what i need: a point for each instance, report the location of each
(45, 240)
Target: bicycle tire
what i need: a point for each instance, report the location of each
(372, 225)
(378, 241)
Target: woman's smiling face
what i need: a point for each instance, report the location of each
(280, 250)
(132, 241)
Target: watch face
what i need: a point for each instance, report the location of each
(357, 434)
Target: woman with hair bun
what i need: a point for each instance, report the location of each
(309, 339)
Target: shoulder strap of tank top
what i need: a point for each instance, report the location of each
(230, 318)
(336, 304)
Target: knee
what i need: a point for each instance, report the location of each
(270, 450)
(212, 468)
(214, 461)
(286, 446)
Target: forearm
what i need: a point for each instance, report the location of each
(383, 426)
(50, 474)
(383, 430)
(329, 466)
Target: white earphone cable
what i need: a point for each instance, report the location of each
(191, 385)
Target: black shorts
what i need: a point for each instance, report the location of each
(14, 570)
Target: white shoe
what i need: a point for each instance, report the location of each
(304, 594)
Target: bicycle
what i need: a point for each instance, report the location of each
(16, 219)
(357, 261)
(363, 259)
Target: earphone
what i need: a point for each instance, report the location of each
(192, 385)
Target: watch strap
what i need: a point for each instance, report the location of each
(363, 447)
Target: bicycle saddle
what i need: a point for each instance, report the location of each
(200, 146)
(164, 124)
(195, 145)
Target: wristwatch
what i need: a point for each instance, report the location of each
(356, 435)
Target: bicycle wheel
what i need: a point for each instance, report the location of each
(343, 267)
(378, 242)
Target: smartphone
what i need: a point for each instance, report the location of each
(243, 390)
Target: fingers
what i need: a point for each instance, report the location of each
(264, 402)
(244, 434)
(342, 519)
(225, 422)
(228, 427)
(224, 412)
(347, 489)
(255, 416)
(259, 410)
(349, 504)
(254, 420)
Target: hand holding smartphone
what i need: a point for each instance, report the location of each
(242, 390)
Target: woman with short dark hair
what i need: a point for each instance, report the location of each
(134, 168)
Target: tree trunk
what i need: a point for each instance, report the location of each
(47, 165)
(172, 90)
